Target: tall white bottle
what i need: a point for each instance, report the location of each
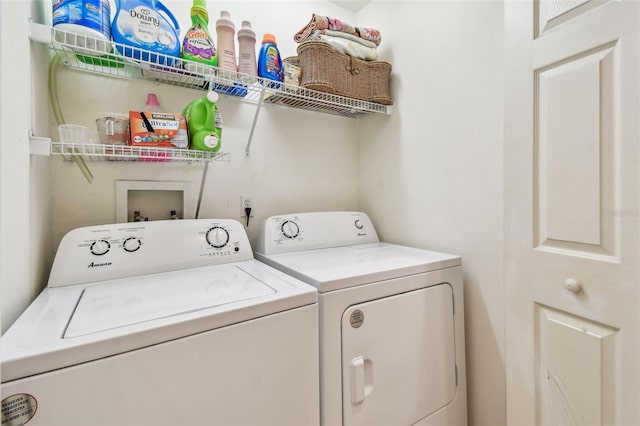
(247, 62)
(226, 30)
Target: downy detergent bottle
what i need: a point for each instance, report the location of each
(204, 123)
(198, 45)
(148, 31)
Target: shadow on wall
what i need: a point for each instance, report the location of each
(485, 373)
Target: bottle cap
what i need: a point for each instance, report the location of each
(152, 100)
(269, 38)
(212, 97)
(200, 8)
(225, 20)
(246, 30)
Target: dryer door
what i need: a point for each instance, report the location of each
(398, 357)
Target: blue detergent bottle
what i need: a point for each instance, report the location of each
(146, 30)
(269, 62)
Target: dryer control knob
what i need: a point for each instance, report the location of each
(290, 229)
(100, 247)
(131, 244)
(358, 223)
(217, 237)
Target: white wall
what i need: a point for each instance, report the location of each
(300, 160)
(431, 173)
(24, 201)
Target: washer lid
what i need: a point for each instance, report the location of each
(135, 300)
(70, 325)
(341, 267)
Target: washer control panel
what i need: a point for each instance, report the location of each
(102, 252)
(307, 231)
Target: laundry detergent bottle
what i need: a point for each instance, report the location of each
(226, 30)
(247, 62)
(204, 123)
(269, 61)
(91, 18)
(148, 31)
(198, 45)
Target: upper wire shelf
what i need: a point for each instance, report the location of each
(117, 60)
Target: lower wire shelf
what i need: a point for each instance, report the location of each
(149, 154)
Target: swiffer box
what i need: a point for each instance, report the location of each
(158, 129)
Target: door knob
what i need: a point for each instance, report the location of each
(572, 285)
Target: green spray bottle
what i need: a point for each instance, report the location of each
(204, 123)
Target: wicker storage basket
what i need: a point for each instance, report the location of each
(326, 70)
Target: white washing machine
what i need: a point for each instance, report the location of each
(392, 348)
(163, 323)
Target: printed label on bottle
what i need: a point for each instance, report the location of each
(198, 45)
(142, 25)
(273, 63)
(94, 14)
(218, 118)
(145, 24)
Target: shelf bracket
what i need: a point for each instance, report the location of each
(247, 150)
(39, 33)
(39, 145)
(42, 146)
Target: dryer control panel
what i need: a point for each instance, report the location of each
(105, 252)
(308, 231)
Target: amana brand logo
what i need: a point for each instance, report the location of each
(97, 265)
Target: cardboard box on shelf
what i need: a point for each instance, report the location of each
(158, 129)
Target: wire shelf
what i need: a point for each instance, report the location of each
(150, 154)
(121, 61)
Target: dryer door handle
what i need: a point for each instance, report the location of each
(361, 379)
(357, 380)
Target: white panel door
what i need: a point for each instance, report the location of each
(572, 213)
(398, 358)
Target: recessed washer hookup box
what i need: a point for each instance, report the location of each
(158, 129)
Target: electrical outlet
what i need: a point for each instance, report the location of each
(246, 202)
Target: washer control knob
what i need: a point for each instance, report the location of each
(100, 247)
(358, 223)
(131, 244)
(217, 237)
(290, 229)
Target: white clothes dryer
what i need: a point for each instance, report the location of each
(392, 348)
(163, 323)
